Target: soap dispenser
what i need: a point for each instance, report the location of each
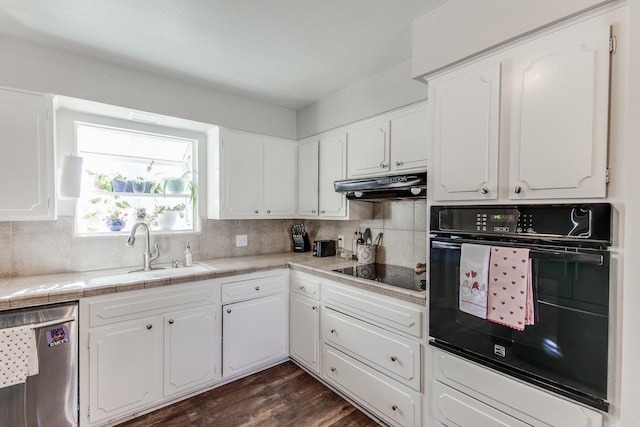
(188, 259)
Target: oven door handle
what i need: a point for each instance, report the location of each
(541, 254)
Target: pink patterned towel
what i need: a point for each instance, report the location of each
(510, 299)
(18, 355)
(474, 270)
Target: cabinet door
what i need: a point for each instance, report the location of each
(304, 327)
(242, 175)
(368, 149)
(27, 134)
(333, 167)
(255, 333)
(308, 179)
(280, 160)
(191, 348)
(559, 117)
(125, 368)
(465, 115)
(409, 140)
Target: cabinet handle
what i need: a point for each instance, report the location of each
(517, 189)
(257, 288)
(393, 358)
(171, 321)
(400, 163)
(228, 310)
(313, 211)
(256, 211)
(268, 210)
(149, 326)
(302, 288)
(333, 331)
(484, 190)
(314, 307)
(322, 212)
(383, 164)
(333, 369)
(394, 407)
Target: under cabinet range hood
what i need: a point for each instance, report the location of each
(390, 187)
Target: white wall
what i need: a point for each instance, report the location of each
(384, 91)
(461, 28)
(38, 68)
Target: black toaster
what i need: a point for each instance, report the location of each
(322, 248)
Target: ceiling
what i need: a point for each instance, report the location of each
(285, 52)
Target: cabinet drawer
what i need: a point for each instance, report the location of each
(390, 401)
(396, 356)
(104, 310)
(454, 408)
(525, 402)
(253, 287)
(385, 310)
(304, 284)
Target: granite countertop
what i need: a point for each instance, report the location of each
(16, 292)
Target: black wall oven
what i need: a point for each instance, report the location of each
(566, 348)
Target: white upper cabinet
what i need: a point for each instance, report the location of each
(26, 121)
(559, 117)
(308, 178)
(528, 123)
(368, 148)
(464, 111)
(333, 167)
(251, 176)
(409, 139)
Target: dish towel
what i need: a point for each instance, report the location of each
(474, 270)
(510, 300)
(18, 355)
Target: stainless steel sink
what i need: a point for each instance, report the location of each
(140, 276)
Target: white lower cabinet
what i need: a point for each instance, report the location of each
(146, 347)
(255, 324)
(304, 320)
(466, 394)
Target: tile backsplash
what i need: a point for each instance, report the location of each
(44, 247)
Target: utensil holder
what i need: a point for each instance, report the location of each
(367, 254)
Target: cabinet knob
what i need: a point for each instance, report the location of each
(268, 210)
(333, 331)
(383, 164)
(302, 288)
(322, 212)
(400, 163)
(314, 307)
(256, 211)
(517, 189)
(171, 321)
(313, 211)
(333, 369)
(484, 190)
(257, 288)
(228, 310)
(394, 407)
(393, 358)
(149, 326)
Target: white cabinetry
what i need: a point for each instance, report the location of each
(545, 103)
(255, 322)
(321, 161)
(368, 148)
(467, 395)
(251, 176)
(146, 347)
(26, 120)
(372, 351)
(409, 139)
(304, 319)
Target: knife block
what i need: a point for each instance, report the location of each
(301, 242)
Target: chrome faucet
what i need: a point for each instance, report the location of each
(149, 257)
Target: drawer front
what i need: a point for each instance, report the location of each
(456, 409)
(256, 287)
(532, 405)
(304, 284)
(389, 312)
(396, 356)
(104, 310)
(390, 401)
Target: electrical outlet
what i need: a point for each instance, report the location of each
(241, 240)
(340, 241)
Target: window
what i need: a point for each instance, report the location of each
(132, 176)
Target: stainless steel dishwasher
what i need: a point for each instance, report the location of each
(50, 397)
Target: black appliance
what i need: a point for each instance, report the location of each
(390, 187)
(322, 248)
(566, 350)
(393, 275)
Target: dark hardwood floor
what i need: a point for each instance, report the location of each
(284, 395)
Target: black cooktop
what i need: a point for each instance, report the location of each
(393, 275)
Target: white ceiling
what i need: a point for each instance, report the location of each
(285, 52)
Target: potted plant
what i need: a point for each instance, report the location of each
(119, 183)
(164, 216)
(139, 185)
(101, 181)
(116, 217)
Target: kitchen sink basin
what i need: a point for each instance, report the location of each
(139, 276)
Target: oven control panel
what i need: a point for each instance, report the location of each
(584, 221)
